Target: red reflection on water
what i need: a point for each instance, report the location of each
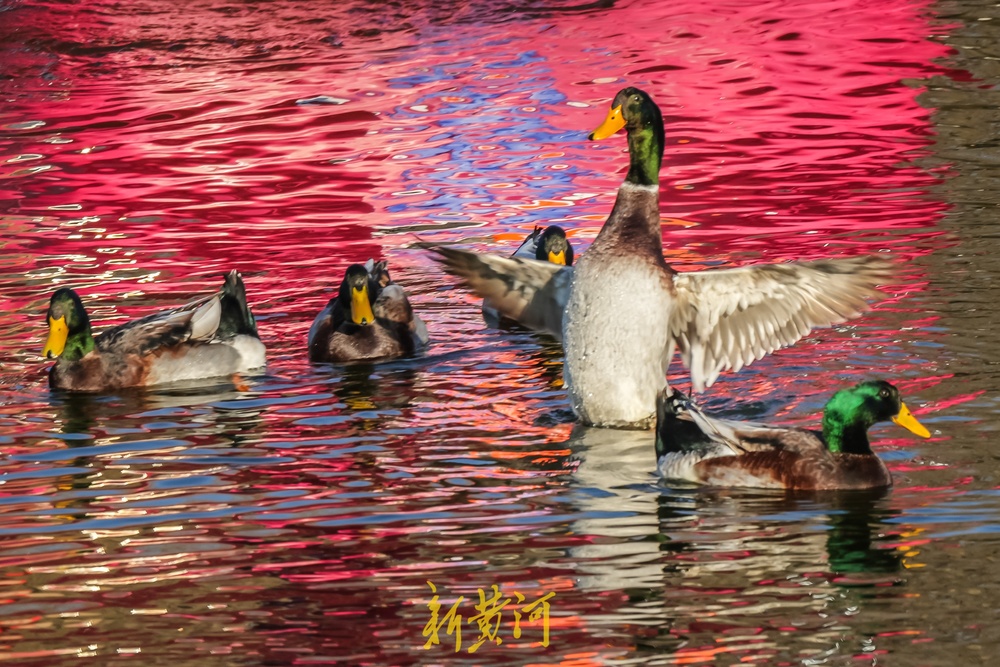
(173, 148)
(793, 112)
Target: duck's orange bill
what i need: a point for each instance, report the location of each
(613, 123)
(58, 333)
(361, 307)
(558, 257)
(906, 419)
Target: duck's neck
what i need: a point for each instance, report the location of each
(645, 149)
(846, 434)
(78, 345)
(634, 221)
(846, 420)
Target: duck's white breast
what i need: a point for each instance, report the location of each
(615, 336)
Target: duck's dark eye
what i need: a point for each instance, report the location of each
(884, 393)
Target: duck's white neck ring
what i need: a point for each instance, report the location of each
(641, 188)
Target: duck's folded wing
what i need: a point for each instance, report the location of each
(528, 291)
(324, 322)
(197, 321)
(725, 319)
(744, 437)
(393, 305)
(529, 246)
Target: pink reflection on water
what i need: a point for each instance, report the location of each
(791, 134)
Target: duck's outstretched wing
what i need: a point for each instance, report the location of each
(531, 292)
(725, 319)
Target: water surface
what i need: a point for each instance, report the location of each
(148, 147)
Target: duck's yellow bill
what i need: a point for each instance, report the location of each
(58, 333)
(558, 257)
(613, 123)
(361, 307)
(906, 419)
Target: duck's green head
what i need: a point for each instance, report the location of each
(355, 292)
(554, 247)
(851, 412)
(635, 111)
(69, 327)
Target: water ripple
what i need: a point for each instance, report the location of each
(147, 148)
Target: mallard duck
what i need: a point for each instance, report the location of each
(621, 311)
(692, 446)
(370, 318)
(213, 336)
(550, 245)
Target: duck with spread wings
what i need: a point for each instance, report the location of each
(622, 311)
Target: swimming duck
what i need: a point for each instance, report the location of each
(370, 318)
(692, 446)
(213, 336)
(550, 245)
(621, 311)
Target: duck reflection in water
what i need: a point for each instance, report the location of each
(725, 553)
(80, 413)
(610, 490)
(365, 386)
(105, 425)
(854, 525)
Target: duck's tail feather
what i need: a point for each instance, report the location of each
(378, 273)
(676, 430)
(236, 315)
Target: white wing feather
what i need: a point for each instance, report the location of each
(726, 319)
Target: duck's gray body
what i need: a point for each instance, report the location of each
(616, 333)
